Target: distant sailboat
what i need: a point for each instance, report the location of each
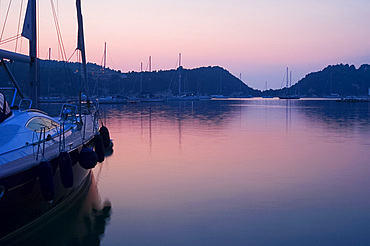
(288, 95)
(107, 99)
(146, 96)
(267, 96)
(183, 96)
(220, 95)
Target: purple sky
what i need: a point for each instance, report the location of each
(258, 39)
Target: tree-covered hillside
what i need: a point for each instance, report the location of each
(344, 80)
(63, 79)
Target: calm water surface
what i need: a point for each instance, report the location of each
(237, 172)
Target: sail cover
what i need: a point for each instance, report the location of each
(27, 25)
(5, 111)
(80, 36)
(81, 40)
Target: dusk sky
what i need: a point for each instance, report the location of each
(258, 39)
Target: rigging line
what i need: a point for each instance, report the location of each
(66, 68)
(170, 84)
(147, 67)
(133, 87)
(11, 38)
(72, 55)
(38, 30)
(47, 53)
(6, 18)
(19, 25)
(104, 56)
(57, 14)
(54, 14)
(110, 57)
(59, 34)
(172, 81)
(101, 61)
(282, 82)
(8, 40)
(20, 50)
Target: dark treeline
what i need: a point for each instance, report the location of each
(343, 80)
(199, 81)
(63, 79)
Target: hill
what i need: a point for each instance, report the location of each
(344, 80)
(202, 81)
(63, 78)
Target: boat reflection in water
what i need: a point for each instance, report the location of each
(82, 222)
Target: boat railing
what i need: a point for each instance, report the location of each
(9, 92)
(25, 104)
(68, 112)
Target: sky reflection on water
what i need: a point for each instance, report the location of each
(238, 172)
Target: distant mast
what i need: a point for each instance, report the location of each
(49, 73)
(150, 63)
(104, 66)
(287, 77)
(141, 77)
(240, 84)
(105, 56)
(150, 70)
(179, 74)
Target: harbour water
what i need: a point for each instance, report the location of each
(236, 172)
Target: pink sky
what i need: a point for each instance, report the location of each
(258, 39)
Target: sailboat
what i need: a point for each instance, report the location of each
(182, 96)
(267, 96)
(146, 96)
(220, 95)
(107, 99)
(45, 162)
(288, 95)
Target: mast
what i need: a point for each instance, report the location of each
(287, 77)
(141, 77)
(105, 55)
(240, 84)
(331, 82)
(221, 85)
(49, 73)
(104, 65)
(179, 74)
(150, 70)
(150, 63)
